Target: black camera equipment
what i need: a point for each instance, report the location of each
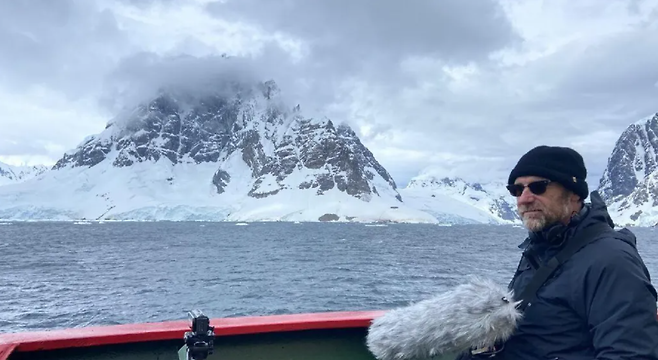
(199, 341)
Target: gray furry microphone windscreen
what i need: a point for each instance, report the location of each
(471, 316)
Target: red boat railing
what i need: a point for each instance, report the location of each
(172, 330)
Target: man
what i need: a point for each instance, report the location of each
(600, 303)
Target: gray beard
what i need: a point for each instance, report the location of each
(547, 218)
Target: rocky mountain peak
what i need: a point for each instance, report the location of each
(633, 158)
(628, 182)
(248, 122)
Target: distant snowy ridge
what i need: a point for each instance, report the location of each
(477, 202)
(238, 155)
(629, 184)
(10, 174)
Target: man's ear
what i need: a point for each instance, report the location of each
(571, 196)
(575, 198)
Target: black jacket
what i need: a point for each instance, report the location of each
(600, 304)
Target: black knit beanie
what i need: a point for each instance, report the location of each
(560, 164)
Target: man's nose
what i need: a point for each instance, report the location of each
(526, 196)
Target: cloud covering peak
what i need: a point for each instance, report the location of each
(451, 85)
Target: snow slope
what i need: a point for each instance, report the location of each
(160, 190)
(488, 203)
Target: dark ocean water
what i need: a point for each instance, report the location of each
(57, 275)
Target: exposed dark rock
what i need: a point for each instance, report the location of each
(220, 180)
(329, 217)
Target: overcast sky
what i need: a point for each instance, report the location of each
(461, 87)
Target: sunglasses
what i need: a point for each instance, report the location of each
(536, 187)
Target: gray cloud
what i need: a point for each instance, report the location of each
(10, 147)
(622, 66)
(385, 30)
(417, 80)
(368, 40)
(145, 4)
(139, 77)
(64, 45)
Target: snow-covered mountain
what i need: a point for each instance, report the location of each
(237, 153)
(10, 174)
(460, 200)
(629, 184)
